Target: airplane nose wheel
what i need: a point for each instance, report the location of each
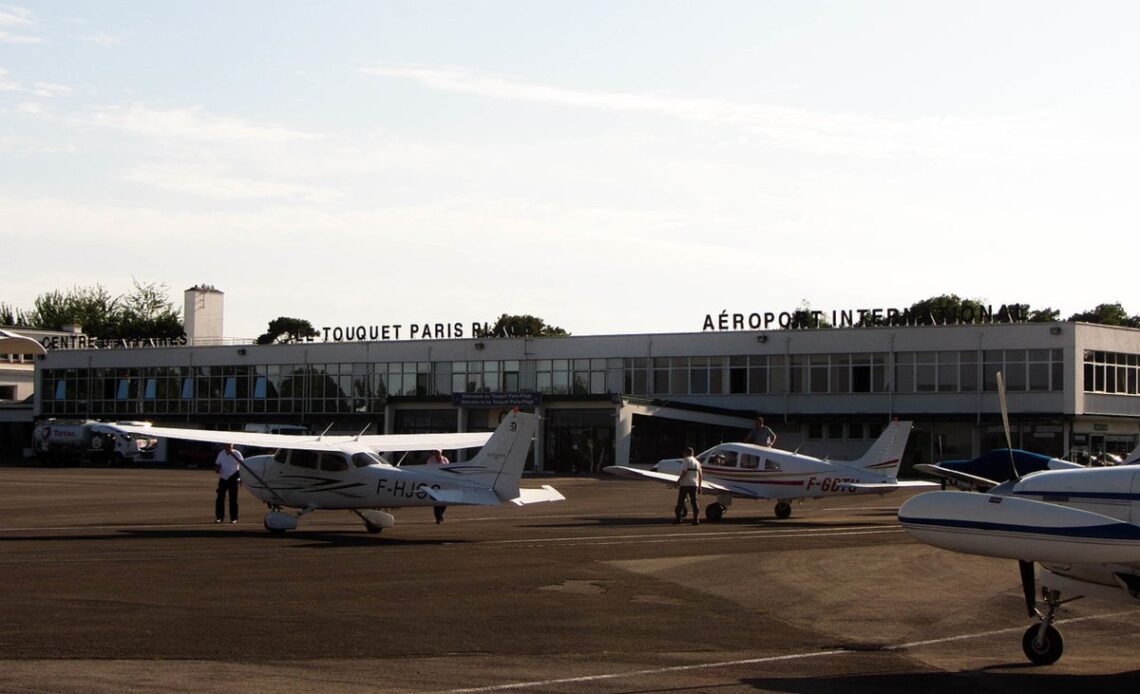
(714, 511)
(1042, 643)
(783, 510)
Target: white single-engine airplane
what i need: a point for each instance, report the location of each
(348, 472)
(752, 471)
(1082, 525)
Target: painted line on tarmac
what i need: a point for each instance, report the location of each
(997, 632)
(584, 679)
(642, 673)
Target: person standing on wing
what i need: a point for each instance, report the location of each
(688, 486)
(761, 434)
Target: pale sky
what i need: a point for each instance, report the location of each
(609, 166)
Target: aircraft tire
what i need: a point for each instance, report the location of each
(714, 512)
(1050, 650)
(373, 528)
(783, 510)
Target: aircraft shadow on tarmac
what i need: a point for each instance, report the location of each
(736, 523)
(1040, 681)
(314, 539)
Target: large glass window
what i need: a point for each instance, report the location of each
(1113, 373)
(904, 372)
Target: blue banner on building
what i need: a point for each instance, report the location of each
(528, 400)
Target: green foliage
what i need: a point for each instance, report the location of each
(9, 315)
(284, 329)
(944, 309)
(524, 326)
(1107, 314)
(143, 313)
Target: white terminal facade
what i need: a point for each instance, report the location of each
(1072, 388)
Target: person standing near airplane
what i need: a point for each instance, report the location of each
(688, 486)
(761, 434)
(228, 466)
(438, 458)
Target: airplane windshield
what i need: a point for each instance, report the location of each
(365, 459)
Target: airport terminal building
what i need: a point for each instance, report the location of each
(631, 399)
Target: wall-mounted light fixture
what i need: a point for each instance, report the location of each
(761, 338)
(1055, 330)
(241, 351)
(478, 345)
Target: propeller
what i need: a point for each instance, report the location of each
(1005, 424)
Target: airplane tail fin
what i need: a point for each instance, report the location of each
(885, 454)
(499, 464)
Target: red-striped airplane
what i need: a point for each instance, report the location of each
(750, 471)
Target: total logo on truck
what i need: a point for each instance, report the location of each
(91, 441)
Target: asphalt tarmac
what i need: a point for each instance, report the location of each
(119, 580)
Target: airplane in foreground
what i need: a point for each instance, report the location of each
(1081, 525)
(751, 471)
(311, 473)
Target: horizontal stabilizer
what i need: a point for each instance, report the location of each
(886, 486)
(471, 497)
(536, 496)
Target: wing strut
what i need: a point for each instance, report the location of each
(263, 483)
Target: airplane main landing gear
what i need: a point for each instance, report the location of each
(714, 511)
(783, 510)
(1042, 643)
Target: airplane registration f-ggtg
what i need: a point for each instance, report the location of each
(751, 471)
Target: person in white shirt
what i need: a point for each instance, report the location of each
(438, 458)
(688, 486)
(228, 466)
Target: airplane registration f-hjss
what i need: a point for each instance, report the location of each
(751, 471)
(312, 473)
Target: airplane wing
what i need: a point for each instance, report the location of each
(981, 483)
(375, 442)
(384, 443)
(638, 473)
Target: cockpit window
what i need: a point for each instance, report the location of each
(364, 459)
(749, 462)
(728, 459)
(281, 456)
(306, 459)
(333, 462)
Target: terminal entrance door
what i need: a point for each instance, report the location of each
(579, 441)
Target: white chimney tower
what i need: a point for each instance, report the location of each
(202, 314)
